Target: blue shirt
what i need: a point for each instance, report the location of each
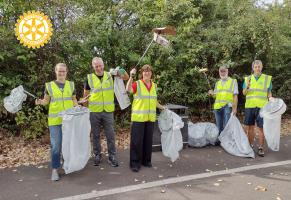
(257, 77)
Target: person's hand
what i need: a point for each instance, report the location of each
(163, 107)
(211, 92)
(132, 72)
(38, 102)
(234, 111)
(120, 72)
(272, 99)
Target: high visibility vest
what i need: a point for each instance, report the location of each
(224, 93)
(144, 103)
(102, 93)
(59, 101)
(257, 94)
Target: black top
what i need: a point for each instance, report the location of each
(86, 84)
(60, 85)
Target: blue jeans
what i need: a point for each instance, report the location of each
(56, 145)
(222, 116)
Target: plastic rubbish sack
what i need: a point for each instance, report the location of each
(202, 134)
(13, 102)
(120, 93)
(271, 113)
(234, 140)
(76, 146)
(119, 90)
(172, 142)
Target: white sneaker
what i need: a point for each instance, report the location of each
(55, 175)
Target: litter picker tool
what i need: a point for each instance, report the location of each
(13, 102)
(168, 30)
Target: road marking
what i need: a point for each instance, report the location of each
(168, 181)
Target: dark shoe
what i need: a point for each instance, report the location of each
(97, 160)
(261, 152)
(113, 161)
(148, 165)
(134, 169)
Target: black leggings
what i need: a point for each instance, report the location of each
(141, 143)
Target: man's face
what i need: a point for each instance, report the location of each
(257, 69)
(98, 66)
(223, 73)
(61, 72)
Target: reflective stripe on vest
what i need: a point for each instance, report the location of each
(144, 103)
(101, 93)
(224, 93)
(60, 101)
(257, 94)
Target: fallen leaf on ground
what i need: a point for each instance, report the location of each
(260, 188)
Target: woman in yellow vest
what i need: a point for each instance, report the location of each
(60, 95)
(143, 117)
(225, 93)
(257, 89)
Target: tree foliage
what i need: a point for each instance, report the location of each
(209, 33)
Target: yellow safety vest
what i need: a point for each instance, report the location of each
(59, 101)
(102, 93)
(144, 103)
(257, 94)
(224, 93)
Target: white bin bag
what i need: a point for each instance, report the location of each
(172, 142)
(234, 140)
(201, 134)
(271, 114)
(76, 146)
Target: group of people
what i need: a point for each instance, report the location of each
(98, 96)
(257, 90)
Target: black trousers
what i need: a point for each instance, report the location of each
(141, 143)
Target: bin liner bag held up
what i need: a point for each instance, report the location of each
(234, 140)
(172, 142)
(76, 146)
(271, 113)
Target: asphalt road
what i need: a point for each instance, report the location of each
(205, 173)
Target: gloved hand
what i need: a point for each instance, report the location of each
(121, 71)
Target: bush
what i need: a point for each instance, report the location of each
(32, 122)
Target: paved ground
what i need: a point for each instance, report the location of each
(206, 173)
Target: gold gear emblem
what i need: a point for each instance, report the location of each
(33, 29)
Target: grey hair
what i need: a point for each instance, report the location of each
(61, 65)
(257, 62)
(223, 67)
(97, 59)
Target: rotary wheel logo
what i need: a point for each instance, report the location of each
(33, 29)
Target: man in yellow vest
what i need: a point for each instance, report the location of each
(99, 85)
(257, 89)
(225, 93)
(60, 94)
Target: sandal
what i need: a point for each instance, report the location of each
(261, 152)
